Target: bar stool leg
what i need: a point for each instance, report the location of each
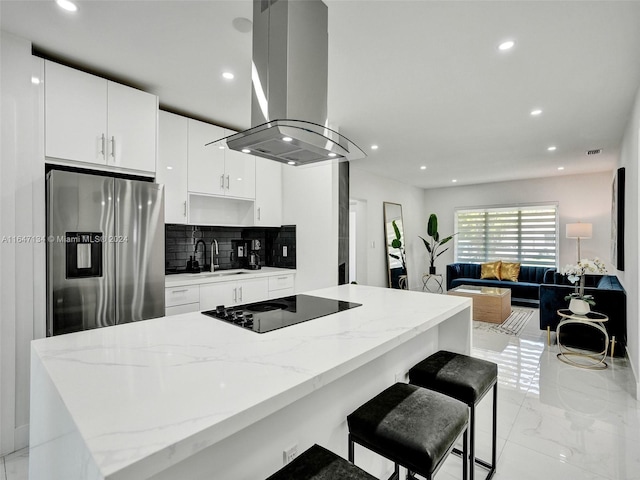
(472, 441)
(465, 464)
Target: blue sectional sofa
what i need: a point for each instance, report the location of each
(524, 292)
(610, 298)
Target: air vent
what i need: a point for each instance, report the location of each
(596, 151)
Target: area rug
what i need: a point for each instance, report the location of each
(513, 325)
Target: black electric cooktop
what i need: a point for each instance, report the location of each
(268, 315)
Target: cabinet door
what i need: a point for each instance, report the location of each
(205, 164)
(132, 126)
(252, 290)
(75, 114)
(172, 165)
(214, 294)
(240, 173)
(268, 193)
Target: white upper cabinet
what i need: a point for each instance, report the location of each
(240, 172)
(217, 171)
(92, 120)
(131, 126)
(172, 165)
(75, 115)
(268, 205)
(206, 164)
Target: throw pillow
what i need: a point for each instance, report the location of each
(509, 271)
(490, 270)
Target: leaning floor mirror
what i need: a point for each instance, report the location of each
(395, 251)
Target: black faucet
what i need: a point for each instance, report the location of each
(204, 253)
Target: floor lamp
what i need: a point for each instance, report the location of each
(578, 231)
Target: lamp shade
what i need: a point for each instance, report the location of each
(579, 230)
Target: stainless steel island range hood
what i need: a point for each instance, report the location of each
(289, 87)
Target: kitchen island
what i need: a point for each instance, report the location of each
(189, 396)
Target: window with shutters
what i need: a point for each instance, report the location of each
(517, 233)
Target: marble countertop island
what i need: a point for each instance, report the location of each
(172, 396)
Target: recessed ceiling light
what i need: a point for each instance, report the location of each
(560, 168)
(35, 80)
(67, 5)
(291, 163)
(228, 75)
(552, 148)
(423, 167)
(508, 45)
(454, 181)
(246, 150)
(287, 139)
(221, 147)
(536, 112)
(332, 154)
(374, 147)
(169, 168)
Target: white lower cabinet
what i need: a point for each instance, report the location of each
(178, 309)
(233, 293)
(181, 300)
(281, 286)
(207, 296)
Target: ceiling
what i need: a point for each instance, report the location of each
(424, 80)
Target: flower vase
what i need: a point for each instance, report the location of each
(579, 306)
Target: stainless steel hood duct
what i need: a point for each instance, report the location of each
(289, 87)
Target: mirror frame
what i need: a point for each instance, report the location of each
(389, 217)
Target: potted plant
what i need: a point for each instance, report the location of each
(434, 243)
(579, 303)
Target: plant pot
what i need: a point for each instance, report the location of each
(432, 270)
(579, 307)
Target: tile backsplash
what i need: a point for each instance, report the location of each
(180, 242)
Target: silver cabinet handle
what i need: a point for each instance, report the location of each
(180, 291)
(222, 181)
(258, 213)
(240, 293)
(102, 146)
(227, 182)
(185, 208)
(113, 147)
(282, 278)
(235, 294)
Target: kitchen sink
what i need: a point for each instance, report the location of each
(220, 274)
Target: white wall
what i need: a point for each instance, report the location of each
(585, 198)
(371, 191)
(630, 158)
(310, 201)
(22, 216)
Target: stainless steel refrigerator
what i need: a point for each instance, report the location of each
(105, 251)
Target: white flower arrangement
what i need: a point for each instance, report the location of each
(576, 273)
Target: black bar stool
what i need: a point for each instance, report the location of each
(466, 379)
(318, 463)
(413, 427)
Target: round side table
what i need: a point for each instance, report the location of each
(432, 282)
(569, 355)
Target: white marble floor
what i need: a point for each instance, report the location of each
(555, 421)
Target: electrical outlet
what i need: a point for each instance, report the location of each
(240, 251)
(289, 454)
(284, 250)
